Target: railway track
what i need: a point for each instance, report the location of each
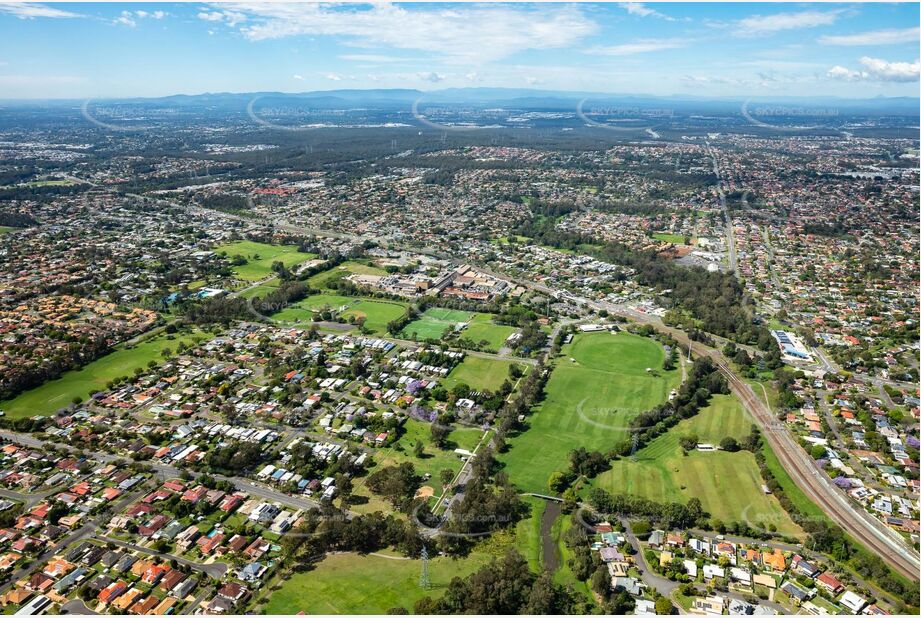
(810, 479)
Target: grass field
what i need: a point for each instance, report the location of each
(589, 401)
(257, 268)
(482, 328)
(675, 239)
(433, 323)
(377, 313)
(480, 373)
(260, 290)
(56, 394)
(354, 584)
(50, 183)
(564, 574)
(527, 531)
(727, 484)
(350, 583)
(322, 280)
(5, 230)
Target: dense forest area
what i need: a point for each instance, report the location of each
(716, 299)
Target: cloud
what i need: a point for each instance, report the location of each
(295, 76)
(878, 70)
(641, 10)
(31, 10)
(874, 37)
(129, 18)
(459, 34)
(333, 77)
(769, 24)
(231, 18)
(432, 77)
(639, 46)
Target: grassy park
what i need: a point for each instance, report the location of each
(323, 280)
(377, 313)
(728, 485)
(262, 289)
(482, 328)
(480, 373)
(350, 583)
(433, 323)
(56, 394)
(260, 256)
(675, 239)
(599, 383)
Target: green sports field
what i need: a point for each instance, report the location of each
(480, 373)
(728, 485)
(260, 256)
(599, 383)
(56, 394)
(432, 323)
(377, 313)
(675, 239)
(354, 584)
(322, 280)
(260, 290)
(482, 328)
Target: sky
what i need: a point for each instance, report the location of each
(98, 50)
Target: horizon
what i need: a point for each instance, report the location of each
(689, 96)
(64, 51)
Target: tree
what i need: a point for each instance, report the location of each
(548, 598)
(344, 487)
(664, 607)
(729, 444)
(440, 434)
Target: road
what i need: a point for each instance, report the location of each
(249, 486)
(766, 235)
(214, 570)
(730, 234)
(77, 606)
(88, 529)
(28, 499)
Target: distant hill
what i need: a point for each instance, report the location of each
(513, 98)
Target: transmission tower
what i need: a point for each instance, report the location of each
(424, 575)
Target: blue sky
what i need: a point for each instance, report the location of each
(79, 50)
